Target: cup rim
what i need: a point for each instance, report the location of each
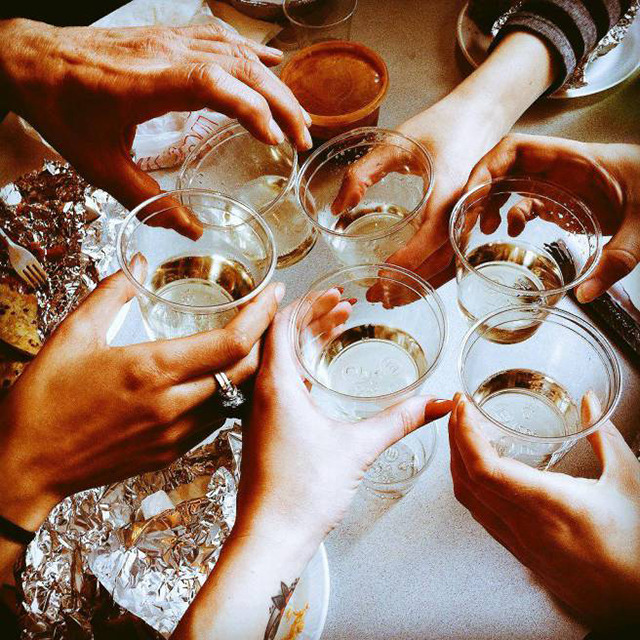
(209, 309)
(356, 133)
(374, 485)
(304, 25)
(587, 328)
(240, 130)
(439, 310)
(353, 116)
(533, 181)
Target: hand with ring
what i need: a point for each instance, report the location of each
(85, 414)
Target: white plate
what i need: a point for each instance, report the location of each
(605, 72)
(312, 590)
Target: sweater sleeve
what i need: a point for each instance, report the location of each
(571, 28)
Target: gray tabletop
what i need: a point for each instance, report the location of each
(421, 567)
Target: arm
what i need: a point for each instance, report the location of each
(84, 414)
(300, 472)
(457, 131)
(85, 89)
(571, 29)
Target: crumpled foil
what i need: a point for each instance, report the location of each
(611, 40)
(101, 557)
(69, 226)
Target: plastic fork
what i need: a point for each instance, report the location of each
(25, 264)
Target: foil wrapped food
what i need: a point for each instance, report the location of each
(69, 226)
(143, 546)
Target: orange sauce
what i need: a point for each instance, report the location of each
(334, 82)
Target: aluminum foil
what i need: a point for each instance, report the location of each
(143, 546)
(69, 226)
(611, 40)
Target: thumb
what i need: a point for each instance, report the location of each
(400, 420)
(613, 453)
(100, 308)
(619, 257)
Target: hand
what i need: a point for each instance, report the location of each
(300, 469)
(85, 89)
(84, 414)
(605, 176)
(457, 131)
(580, 537)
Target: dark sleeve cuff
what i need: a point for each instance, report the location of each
(552, 35)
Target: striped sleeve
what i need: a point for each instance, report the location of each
(571, 28)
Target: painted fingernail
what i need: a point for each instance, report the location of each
(306, 116)
(440, 402)
(340, 289)
(279, 292)
(351, 300)
(307, 139)
(276, 131)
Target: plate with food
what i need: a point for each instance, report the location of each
(306, 612)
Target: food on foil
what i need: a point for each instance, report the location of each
(49, 212)
(127, 560)
(18, 316)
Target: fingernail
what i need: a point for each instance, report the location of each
(306, 116)
(138, 267)
(276, 131)
(279, 292)
(307, 139)
(273, 51)
(588, 291)
(351, 300)
(340, 289)
(440, 402)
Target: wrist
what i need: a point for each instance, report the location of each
(24, 500)
(517, 72)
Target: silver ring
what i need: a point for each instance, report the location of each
(230, 396)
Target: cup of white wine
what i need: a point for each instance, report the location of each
(530, 393)
(231, 161)
(520, 241)
(192, 281)
(381, 355)
(392, 176)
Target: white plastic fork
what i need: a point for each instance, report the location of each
(25, 264)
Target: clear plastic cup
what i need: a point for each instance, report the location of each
(390, 210)
(262, 176)
(319, 20)
(530, 392)
(520, 241)
(194, 281)
(399, 468)
(381, 355)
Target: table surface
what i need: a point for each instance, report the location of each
(421, 567)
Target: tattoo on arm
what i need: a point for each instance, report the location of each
(279, 604)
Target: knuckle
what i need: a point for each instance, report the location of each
(218, 32)
(250, 71)
(202, 74)
(238, 344)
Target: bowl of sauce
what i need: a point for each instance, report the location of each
(340, 84)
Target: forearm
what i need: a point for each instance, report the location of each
(514, 76)
(243, 597)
